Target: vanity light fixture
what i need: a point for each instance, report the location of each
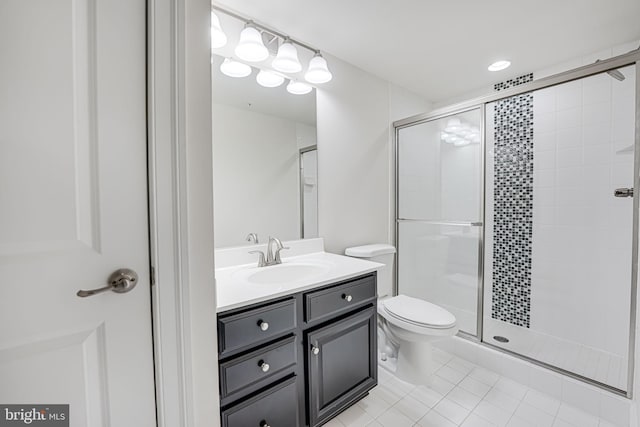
(269, 79)
(499, 65)
(287, 58)
(218, 37)
(233, 68)
(251, 48)
(318, 71)
(296, 87)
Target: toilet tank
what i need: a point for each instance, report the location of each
(382, 253)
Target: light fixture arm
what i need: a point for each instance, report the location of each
(263, 28)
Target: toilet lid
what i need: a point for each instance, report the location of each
(419, 312)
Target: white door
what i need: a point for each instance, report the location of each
(73, 208)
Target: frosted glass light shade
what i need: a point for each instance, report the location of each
(287, 59)
(318, 71)
(250, 47)
(232, 68)
(298, 88)
(218, 37)
(269, 79)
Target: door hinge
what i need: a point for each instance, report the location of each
(153, 276)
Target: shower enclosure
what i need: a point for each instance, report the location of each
(516, 212)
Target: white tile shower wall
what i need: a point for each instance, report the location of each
(582, 243)
(592, 400)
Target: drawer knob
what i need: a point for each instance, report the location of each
(263, 423)
(264, 366)
(315, 350)
(347, 297)
(263, 325)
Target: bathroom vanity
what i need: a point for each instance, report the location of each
(303, 356)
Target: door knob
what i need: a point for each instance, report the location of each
(315, 350)
(121, 281)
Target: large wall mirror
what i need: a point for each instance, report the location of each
(265, 160)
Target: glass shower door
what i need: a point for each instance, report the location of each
(558, 255)
(439, 219)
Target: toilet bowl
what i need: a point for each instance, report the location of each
(407, 326)
(412, 325)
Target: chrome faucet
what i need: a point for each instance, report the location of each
(252, 237)
(272, 257)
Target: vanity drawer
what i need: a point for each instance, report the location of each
(254, 326)
(277, 406)
(339, 299)
(248, 373)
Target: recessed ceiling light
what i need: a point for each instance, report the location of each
(499, 65)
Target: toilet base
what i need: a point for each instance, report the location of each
(415, 363)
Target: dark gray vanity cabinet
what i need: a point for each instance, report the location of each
(341, 364)
(298, 360)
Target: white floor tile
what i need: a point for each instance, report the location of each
(520, 422)
(412, 408)
(576, 417)
(485, 376)
(386, 394)
(433, 419)
(355, 416)
(426, 396)
(512, 388)
(475, 421)
(561, 423)
(441, 385)
(374, 405)
(394, 418)
(464, 398)
(492, 413)
(441, 357)
(533, 415)
(374, 423)
(450, 374)
(474, 386)
(461, 365)
(542, 401)
(451, 410)
(502, 400)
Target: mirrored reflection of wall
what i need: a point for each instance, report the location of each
(257, 136)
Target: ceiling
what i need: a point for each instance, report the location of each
(441, 49)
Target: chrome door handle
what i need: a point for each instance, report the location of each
(315, 350)
(121, 281)
(623, 192)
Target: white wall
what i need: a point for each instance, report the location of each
(256, 160)
(355, 198)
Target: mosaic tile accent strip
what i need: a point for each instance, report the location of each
(513, 206)
(526, 78)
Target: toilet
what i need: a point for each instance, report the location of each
(407, 326)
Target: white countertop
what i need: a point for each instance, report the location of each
(234, 290)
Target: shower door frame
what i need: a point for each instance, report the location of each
(630, 58)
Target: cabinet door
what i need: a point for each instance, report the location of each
(341, 359)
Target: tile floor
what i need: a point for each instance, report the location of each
(462, 394)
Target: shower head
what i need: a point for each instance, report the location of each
(616, 74)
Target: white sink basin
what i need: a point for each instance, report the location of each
(281, 273)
